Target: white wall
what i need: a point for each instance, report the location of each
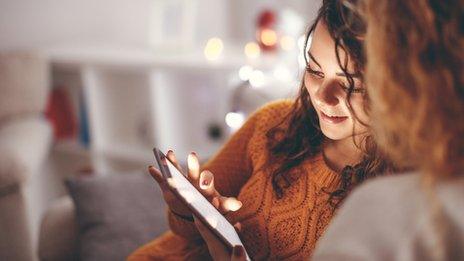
(41, 23)
(44, 23)
(244, 12)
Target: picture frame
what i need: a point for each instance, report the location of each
(173, 24)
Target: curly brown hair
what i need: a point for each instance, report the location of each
(303, 138)
(416, 69)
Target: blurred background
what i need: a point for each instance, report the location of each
(89, 87)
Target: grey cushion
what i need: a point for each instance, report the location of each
(116, 214)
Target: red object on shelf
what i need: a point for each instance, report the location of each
(267, 18)
(266, 24)
(61, 115)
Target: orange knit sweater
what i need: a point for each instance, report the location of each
(272, 228)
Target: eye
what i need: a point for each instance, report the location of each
(346, 88)
(317, 74)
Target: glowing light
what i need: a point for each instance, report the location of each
(268, 37)
(282, 73)
(287, 43)
(235, 120)
(252, 50)
(213, 49)
(257, 78)
(245, 72)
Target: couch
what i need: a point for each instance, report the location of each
(104, 217)
(25, 139)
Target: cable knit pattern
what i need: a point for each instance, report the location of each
(272, 228)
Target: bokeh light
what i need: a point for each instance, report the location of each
(252, 50)
(268, 37)
(213, 49)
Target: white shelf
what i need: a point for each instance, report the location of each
(145, 58)
(137, 98)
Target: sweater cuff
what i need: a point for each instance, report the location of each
(182, 227)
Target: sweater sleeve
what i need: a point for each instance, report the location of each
(231, 167)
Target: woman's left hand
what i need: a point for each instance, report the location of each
(217, 249)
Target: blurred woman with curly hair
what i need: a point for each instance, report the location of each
(415, 74)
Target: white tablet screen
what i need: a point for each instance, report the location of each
(215, 219)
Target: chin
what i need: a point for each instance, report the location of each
(339, 133)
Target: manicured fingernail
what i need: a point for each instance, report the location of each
(192, 161)
(232, 204)
(238, 251)
(206, 178)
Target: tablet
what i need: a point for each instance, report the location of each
(197, 203)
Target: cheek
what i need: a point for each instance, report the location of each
(310, 85)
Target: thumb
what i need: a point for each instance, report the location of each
(238, 253)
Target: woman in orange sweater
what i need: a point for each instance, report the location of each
(284, 173)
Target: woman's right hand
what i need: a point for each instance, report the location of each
(203, 181)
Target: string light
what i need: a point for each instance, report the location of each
(257, 78)
(235, 120)
(245, 72)
(268, 37)
(252, 50)
(213, 49)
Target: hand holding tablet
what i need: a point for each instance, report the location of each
(193, 194)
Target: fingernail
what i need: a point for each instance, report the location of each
(238, 251)
(232, 204)
(206, 178)
(193, 153)
(193, 162)
(169, 151)
(149, 167)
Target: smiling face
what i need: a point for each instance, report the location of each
(328, 86)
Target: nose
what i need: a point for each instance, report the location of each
(328, 93)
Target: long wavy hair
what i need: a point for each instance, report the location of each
(299, 137)
(416, 71)
(417, 54)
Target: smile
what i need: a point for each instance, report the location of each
(333, 119)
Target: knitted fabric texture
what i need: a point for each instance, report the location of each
(272, 228)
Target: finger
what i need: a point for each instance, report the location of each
(172, 157)
(156, 174)
(193, 167)
(227, 204)
(206, 184)
(238, 227)
(238, 253)
(201, 228)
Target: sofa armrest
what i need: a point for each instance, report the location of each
(24, 145)
(58, 232)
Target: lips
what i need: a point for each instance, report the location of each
(333, 119)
